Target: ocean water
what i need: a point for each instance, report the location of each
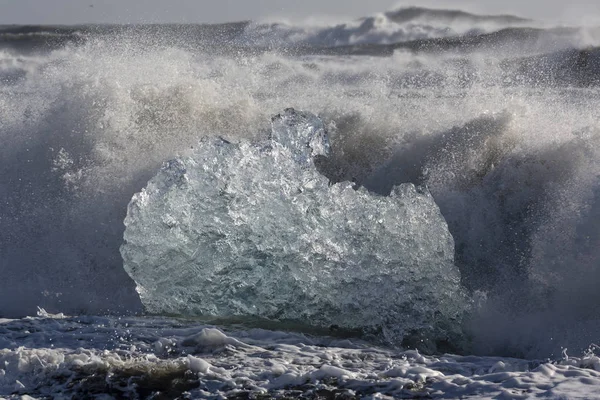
(403, 205)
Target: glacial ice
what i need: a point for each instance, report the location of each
(253, 229)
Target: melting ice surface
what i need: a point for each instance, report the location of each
(253, 229)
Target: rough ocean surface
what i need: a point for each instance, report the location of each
(453, 165)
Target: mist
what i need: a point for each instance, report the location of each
(187, 11)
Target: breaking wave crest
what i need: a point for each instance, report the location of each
(401, 25)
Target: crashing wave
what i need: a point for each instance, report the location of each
(401, 25)
(254, 230)
(408, 14)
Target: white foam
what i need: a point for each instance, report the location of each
(198, 365)
(60, 356)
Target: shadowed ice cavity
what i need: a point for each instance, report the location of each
(255, 230)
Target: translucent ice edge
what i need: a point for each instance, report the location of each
(254, 229)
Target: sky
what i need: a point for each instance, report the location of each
(192, 11)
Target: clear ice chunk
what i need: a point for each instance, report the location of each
(252, 229)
